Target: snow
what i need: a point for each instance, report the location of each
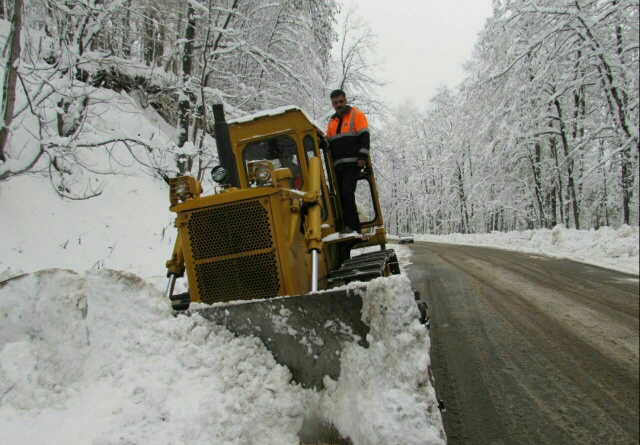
(383, 395)
(90, 352)
(97, 357)
(607, 247)
(275, 112)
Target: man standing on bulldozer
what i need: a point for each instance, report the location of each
(349, 140)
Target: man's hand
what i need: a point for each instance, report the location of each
(362, 163)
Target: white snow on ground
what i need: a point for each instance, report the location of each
(606, 247)
(97, 358)
(383, 395)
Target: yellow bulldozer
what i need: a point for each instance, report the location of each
(265, 252)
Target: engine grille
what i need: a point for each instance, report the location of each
(243, 278)
(233, 250)
(230, 229)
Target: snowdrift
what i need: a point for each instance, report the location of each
(98, 358)
(608, 247)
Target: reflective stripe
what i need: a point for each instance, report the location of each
(352, 121)
(344, 161)
(341, 135)
(351, 133)
(364, 151)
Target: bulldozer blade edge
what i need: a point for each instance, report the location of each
(306, 333)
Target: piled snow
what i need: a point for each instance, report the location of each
(606, 247)
(384, 395)
(97, 358)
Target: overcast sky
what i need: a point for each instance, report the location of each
(423, 43)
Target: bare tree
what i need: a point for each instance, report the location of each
(356, 63)
(11, 76)
(249, 55)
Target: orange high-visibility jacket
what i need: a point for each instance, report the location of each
(348, 137)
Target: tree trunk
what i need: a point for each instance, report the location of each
(570, 174)
(626, 171)
(126, 43)
(537, 184)
(11, 76)
(184, 102)
(464, 213)
(617, 98)
(554, 208)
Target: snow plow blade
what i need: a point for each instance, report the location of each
(306, 333)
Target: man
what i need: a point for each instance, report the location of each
(349, 140)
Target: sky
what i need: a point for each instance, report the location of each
(423, 43)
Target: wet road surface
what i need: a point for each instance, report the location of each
(528, 349)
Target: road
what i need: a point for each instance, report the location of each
(530, 350)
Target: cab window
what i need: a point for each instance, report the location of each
(309, 147)
(281, 151)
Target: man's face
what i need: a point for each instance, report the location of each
(339, 104)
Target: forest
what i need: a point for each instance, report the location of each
(542, 131)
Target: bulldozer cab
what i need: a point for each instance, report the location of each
(288, 139)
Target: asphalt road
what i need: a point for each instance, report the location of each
(530, 350)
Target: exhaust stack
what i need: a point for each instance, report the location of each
(223, 143)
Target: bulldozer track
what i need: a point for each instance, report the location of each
(366, 267)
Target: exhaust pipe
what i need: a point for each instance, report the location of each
(223, 143)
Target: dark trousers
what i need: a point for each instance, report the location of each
(347, 177)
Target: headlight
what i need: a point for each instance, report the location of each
(262, 174)
(219, 174)
(182, 191)
(183, 188)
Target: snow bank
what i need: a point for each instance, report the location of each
(384, 395)
(97, 358)
(606, 247)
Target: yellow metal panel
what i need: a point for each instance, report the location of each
(231, 251)
(226, 197)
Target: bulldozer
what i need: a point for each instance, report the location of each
(263, 254)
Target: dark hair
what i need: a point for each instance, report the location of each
(336, 93)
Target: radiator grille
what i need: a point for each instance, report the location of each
(242, 278)
(232, 247)
(230, 229)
